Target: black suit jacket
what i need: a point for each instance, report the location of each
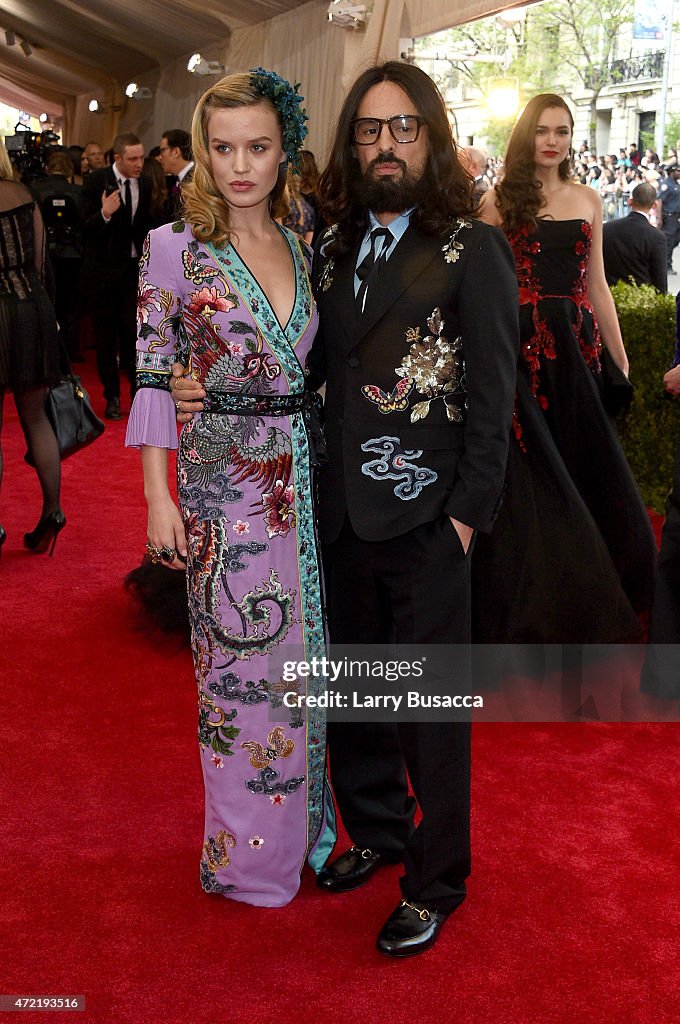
(633, 248)
(108, 246)
(444, 313)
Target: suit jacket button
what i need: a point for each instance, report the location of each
(353, 361)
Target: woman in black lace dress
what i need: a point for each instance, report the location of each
(29, 360)
(571, 557)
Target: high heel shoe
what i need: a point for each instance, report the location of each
(47, 530)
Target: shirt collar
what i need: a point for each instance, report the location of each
(398, 226)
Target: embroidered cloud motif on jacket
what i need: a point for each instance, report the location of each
(395, 464)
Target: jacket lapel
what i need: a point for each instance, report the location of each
(410, 258)
(339, 300)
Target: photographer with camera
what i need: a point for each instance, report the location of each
(61, 205)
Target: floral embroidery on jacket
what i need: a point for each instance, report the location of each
(437, 368)
(452, 248)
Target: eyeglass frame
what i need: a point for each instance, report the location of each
(420, 122)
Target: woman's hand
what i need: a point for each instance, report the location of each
(165, 533)
(186, 394)
(166, 540)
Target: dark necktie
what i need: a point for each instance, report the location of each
(369, 268)
(127, 199)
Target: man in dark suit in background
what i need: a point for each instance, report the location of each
(116, 206)
(176, 161)
(632, 247)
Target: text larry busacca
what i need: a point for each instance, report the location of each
(389, 671)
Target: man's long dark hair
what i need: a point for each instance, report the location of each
(449, 191)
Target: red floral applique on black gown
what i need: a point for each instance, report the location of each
(571, 557)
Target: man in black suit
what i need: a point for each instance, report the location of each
(632, 247)
(116, 204)
(176, 161)
(417, 345)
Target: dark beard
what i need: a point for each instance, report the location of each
(389, 195)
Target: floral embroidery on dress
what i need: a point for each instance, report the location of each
(437, 368)
(279, 511)
(394, 464)
(207, 302)
(541, 344)
(256, 843)
(452, 248)
(215, 732)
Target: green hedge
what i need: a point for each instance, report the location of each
(650, 430)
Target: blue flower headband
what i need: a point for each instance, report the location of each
(286, 100)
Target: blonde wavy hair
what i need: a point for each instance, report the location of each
(6, 167)
(204, 207)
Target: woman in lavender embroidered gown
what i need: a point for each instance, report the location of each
(228, 292)
(571, 556)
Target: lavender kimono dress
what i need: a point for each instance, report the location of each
(253, 577)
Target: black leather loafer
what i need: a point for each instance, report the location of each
(351, 869)
(410, 929)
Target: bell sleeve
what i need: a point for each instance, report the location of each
(161, 341)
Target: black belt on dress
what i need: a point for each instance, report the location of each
(309, 403)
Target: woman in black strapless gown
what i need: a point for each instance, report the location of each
(571, 556)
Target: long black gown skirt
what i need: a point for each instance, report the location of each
(571, 557)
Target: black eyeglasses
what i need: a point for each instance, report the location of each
(403, 128)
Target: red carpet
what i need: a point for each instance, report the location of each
(573, 905)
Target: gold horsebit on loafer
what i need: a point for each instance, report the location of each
(423, 914)
(365, 854)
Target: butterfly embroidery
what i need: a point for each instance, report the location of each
(261, 756)
(397, 401)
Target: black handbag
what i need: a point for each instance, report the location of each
(616, 389)
(73, 419)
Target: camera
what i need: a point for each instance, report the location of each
(28, 151)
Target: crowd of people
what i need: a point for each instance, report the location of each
(470, 484)
(615, 177)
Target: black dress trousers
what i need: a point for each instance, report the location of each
(411, 589)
